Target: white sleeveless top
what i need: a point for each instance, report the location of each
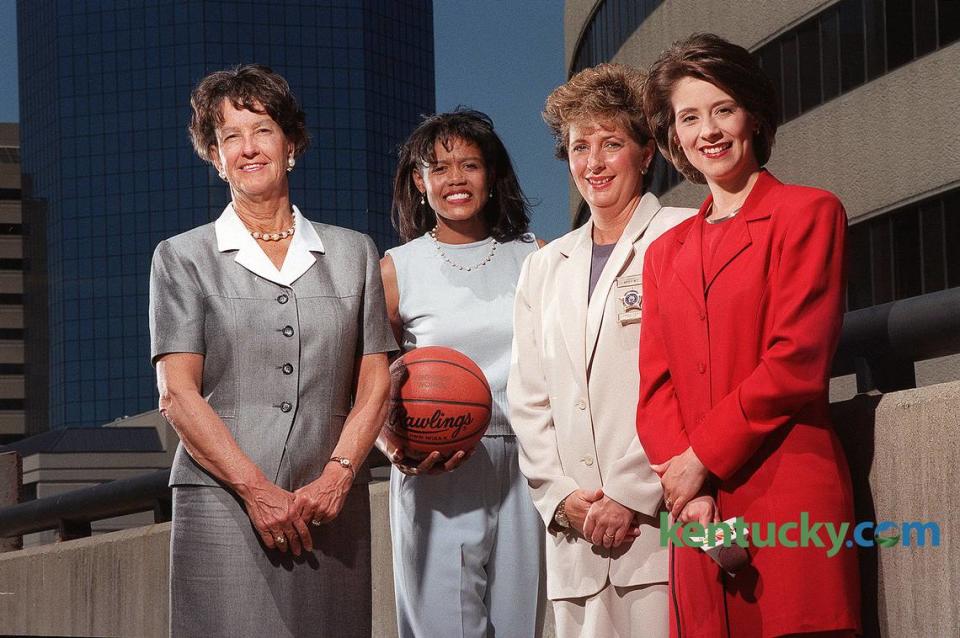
(470, 311)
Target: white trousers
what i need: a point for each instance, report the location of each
(467, 549)
(615, 612)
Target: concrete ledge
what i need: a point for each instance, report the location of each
(109, 585)
(116, 584)
(904, 459)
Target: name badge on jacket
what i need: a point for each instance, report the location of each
(629, 298)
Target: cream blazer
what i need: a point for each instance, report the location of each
(573, 390)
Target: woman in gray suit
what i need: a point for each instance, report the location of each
(270, 339)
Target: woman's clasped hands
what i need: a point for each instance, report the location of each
(283, 518)
(600, 519)
(682, 478)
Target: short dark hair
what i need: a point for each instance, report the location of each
(507, 212)
(730, 67)
(253, 87)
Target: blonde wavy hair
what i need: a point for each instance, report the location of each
(606, 92)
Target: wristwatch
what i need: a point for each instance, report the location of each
(344, 462)
(560, 515)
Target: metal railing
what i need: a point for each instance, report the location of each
(880, 344)
(71, 513)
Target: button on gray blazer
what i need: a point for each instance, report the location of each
(278, 360)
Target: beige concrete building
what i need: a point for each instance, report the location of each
(12, 424)
(868, 92)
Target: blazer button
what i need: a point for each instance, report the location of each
(701, 368)
(588, 461)
(581, 405)
(287, 368)
(283, 299)
(286, 406)
(287, 331)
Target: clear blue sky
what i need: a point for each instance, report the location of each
(499, 56)
(8, 62)
(503, 57)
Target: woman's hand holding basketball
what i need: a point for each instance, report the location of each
(434, 463)
(389, 449)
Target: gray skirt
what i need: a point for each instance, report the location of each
(225, 582)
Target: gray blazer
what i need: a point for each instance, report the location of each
(278, 360)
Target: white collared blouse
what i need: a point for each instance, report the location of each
(233, 235)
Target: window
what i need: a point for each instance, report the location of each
(830, 54)
(904, 253)
(851, 42)
(611, 24)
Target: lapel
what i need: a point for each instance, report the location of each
(621, 256)
(573, 279)
(738, 238)
(689, 259)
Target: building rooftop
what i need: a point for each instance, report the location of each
(89, 440)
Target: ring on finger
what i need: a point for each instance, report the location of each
(316, 522)
(609, 535)
(280, 538)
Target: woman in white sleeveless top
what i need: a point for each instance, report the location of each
(467, 540)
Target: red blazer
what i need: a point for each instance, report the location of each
(736, 364)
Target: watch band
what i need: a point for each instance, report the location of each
(344, 462)
(560, 515)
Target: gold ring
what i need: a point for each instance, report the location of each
(609, 536)
(280, 538)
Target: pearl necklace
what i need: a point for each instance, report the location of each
(443, 255)
(283, 234)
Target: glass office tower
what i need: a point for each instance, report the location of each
(109, 171)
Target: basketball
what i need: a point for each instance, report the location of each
(439, 400)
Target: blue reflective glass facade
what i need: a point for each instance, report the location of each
(109, 171)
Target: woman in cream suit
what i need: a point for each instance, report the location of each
(573, 382)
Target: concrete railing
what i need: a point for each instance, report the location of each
(903, 454)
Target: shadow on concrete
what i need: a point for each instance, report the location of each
(855, 421)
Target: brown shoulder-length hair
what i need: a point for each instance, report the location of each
(730, 67)
(253, 87)
(507, 212)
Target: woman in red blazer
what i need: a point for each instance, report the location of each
(743, 305)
